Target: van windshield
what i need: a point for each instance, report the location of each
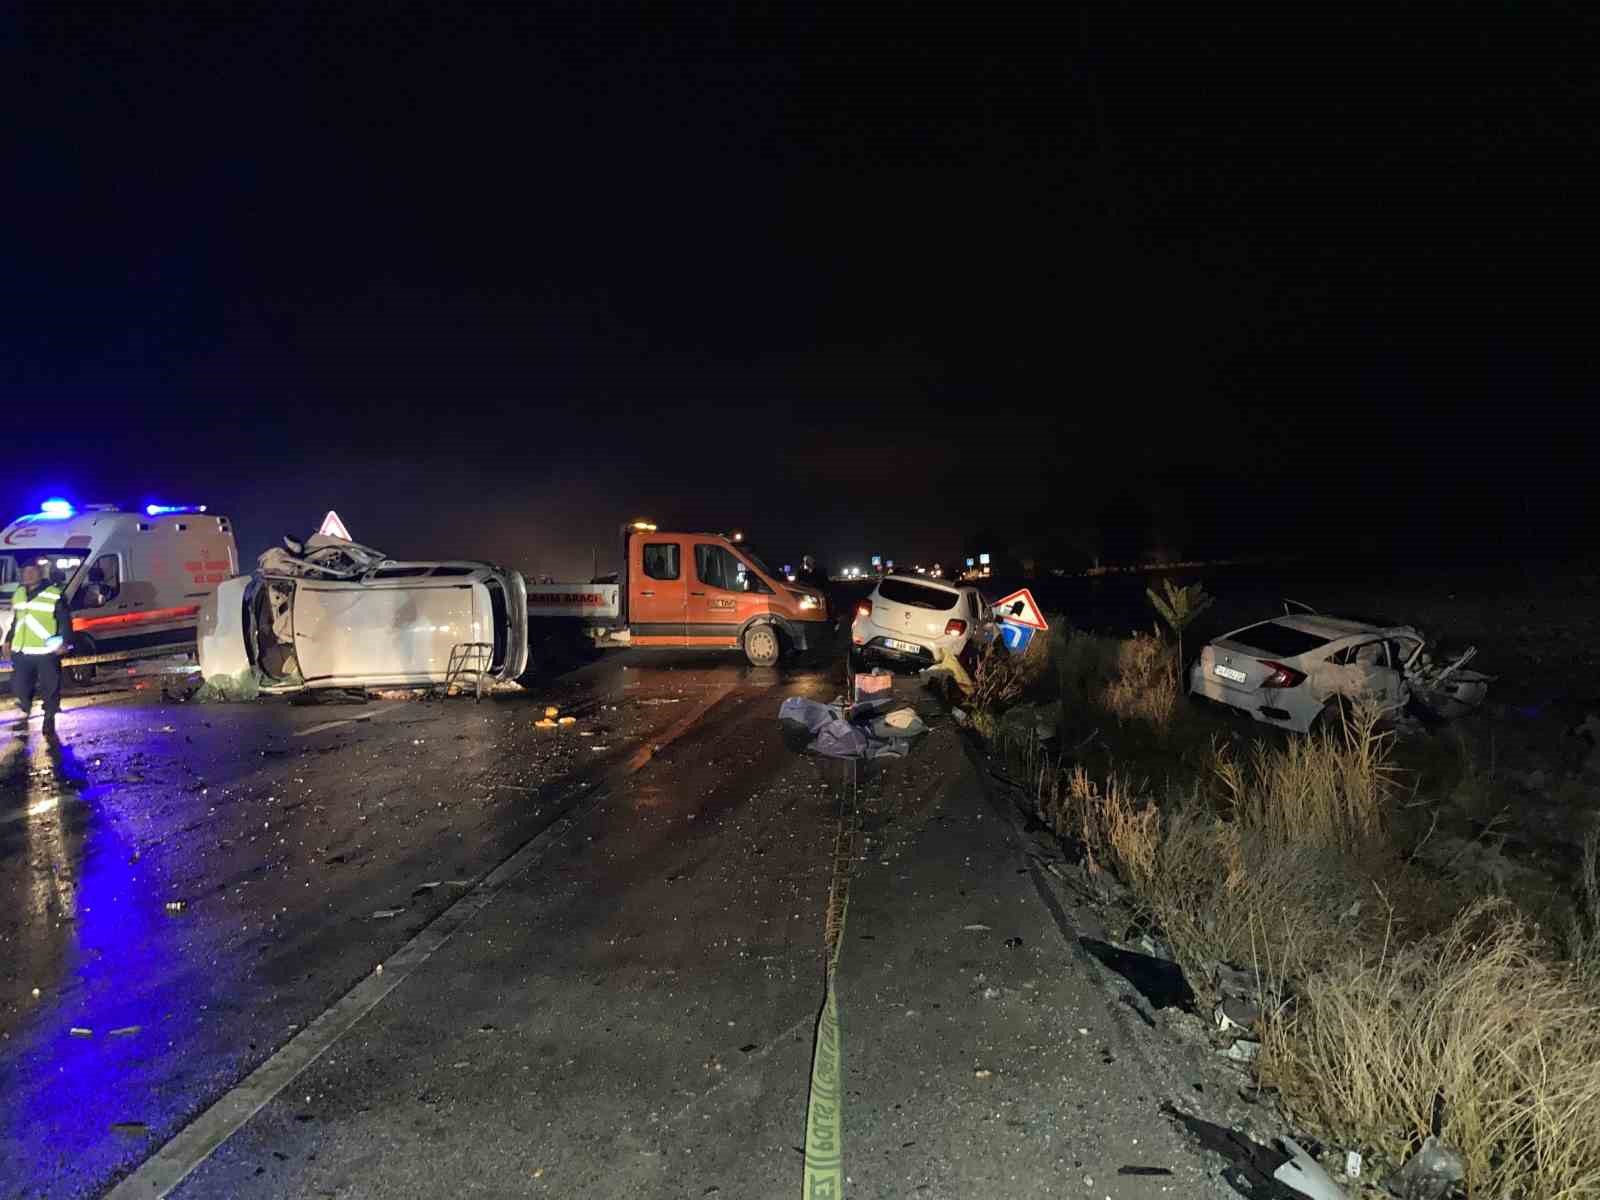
(747, 552)
(58, 565)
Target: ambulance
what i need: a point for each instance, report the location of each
(133, 579)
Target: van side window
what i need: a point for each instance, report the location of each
(102, 585)
(661, 560)
(719, 567)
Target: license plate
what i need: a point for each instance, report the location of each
(908, 647)
(1232, 673)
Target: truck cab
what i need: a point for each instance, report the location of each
(700, 590)
(703, 589)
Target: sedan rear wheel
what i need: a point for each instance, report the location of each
(761, 645)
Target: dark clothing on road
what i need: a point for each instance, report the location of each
(37, 674)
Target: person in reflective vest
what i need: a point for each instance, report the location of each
(40, 629)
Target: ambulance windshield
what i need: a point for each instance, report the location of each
(58, 565)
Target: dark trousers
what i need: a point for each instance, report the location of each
(36, 675)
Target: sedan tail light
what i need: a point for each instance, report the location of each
(864, 609)
(954, 628)
(1282, 676)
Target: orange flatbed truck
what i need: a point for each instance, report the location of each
(700, 590)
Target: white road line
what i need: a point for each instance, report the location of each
(170, 1165)
(366, 716)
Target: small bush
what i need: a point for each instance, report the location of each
(1085, 663)
(1145, 686)
(1330, 790)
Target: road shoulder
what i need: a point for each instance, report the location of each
(983, 1055)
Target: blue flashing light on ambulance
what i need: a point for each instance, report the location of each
(134, 580)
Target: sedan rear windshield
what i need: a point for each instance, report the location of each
(902, 591)
(1281, 640)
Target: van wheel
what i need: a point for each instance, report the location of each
(761, 645)
(81, 676)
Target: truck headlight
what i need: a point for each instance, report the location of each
(810, 602)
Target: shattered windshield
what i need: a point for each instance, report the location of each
(58, 565)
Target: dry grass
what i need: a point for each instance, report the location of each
(1479, 1016)
(1144, 686)
(1404, 988)
(1332, 790)
(1581, 940)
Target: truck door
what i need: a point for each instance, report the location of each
(658, 588)
(724, 594)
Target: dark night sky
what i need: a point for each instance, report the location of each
(863, 276)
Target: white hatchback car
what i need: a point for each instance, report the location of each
(913, 622)
(1291, 671)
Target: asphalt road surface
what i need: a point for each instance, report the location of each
(601, 953)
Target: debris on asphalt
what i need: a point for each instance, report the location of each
(837, 732)
(1232, 1013)
(950, 665)
(1241, 993)
(125, 1031)
(1144, 1170)
(1160, 982)
(385, 913)
(1429, 1174)
(878, 683)
(1013, 943)
(130, 1128)
(552, 712)
(544, 723)
(1302, 1174)
(78, 1031)
(176, 906)
(567, 721)
(976, 927)
(424, 888)
(1352, 1163)
(982, 1073)
(1252, 1167)
(653, 700)
(1242, 1050)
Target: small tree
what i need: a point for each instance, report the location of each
(1178, 607)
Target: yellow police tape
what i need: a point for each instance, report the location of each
(824, 1111)
(824, 1174)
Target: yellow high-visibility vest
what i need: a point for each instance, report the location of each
(33, 622)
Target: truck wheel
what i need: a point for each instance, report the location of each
(761, 645)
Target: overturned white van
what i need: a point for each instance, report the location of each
(335, 614)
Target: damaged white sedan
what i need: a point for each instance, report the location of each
(328, 613)
(1294, 671)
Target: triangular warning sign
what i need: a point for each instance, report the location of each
(333, 527)
(1019, 608)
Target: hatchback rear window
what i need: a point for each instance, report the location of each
(1281, 640)
(902, 591)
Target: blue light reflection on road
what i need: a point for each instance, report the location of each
(92, 898)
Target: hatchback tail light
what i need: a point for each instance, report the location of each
(1282, 676)
(864, 609)
(954, 628)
